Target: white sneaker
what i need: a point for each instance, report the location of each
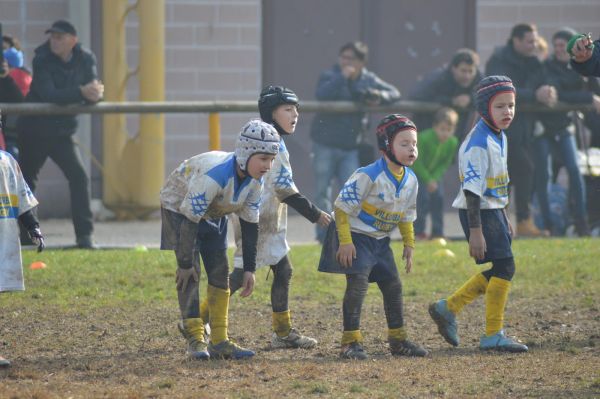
(293, 340)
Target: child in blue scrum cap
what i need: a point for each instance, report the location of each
(482, 201)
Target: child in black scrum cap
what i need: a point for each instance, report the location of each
(482, 202)
(374, 201)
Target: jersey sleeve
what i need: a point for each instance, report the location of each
(250, 211)
(201, 193)
(351, 196)
(410, 215)
(283, 180)
(473, 166)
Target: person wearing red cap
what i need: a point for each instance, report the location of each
(482, 201)
(63, 73)
(376, 200)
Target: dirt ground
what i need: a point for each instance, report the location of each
(141, 355)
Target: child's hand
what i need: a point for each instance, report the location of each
(183, 276)
(477, 245)
(407, 255)
(345, 254)
(37, 238)
(432, 186)
(324, 219)
(248, 284)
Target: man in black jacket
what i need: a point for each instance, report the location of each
(63, 73)
(518, 61)
(451, 86)
(336, 137)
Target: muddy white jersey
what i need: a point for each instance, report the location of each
(15, 199)
(376, 201)
(272, 226)
(482, 168)
(206, 186)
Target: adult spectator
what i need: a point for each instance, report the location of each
(336, 136)
(63, 73)
(558, 137)
(518, 60)
(451, 86)
(22, 77)
(586, 56)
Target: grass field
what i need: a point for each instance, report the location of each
(103, 324)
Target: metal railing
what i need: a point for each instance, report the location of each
(139, 107)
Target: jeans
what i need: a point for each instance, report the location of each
(430, 203)
(565, 146)
(330, 162)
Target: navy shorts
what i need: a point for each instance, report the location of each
(495, 231)
(374, 257)
(212, 234)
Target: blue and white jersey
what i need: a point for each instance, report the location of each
(376, 201)
(482, 168)
(272, 225)
(206, 187)
(15, 199)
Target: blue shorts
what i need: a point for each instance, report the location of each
(374, 257)
(212, 234)
(495, 231)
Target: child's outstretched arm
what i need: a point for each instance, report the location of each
(346, 252)
(477, 244)
(408, 238)
(310, 211)
(32, 226)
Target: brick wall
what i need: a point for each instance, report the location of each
(213, 52)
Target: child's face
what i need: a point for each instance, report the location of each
(286, 116)
(502, 110)
(404, 147)
(444, 130)
(560, 50)
(259, 164)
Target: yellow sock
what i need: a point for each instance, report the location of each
(466, 294)
(195, 328)
(204, 309)
(282, 323)
(398, 334)
(495, 301)
(218, 306)
(349, 337)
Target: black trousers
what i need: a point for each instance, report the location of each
(33, 152)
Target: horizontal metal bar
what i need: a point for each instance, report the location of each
(139, 107)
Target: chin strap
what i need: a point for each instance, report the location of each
(280, 129)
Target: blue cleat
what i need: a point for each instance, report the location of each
(229, 350)
(502, 343)
(445, 320)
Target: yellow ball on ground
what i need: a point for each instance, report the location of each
(440, 241)
(444, 253)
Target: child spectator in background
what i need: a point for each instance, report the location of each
(375, 201)
(437, 148)
(482, 201)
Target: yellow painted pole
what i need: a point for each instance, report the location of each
(214, 131)
(151, 174)
(115, 73)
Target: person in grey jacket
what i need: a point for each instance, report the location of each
(336, 137)
(63, 73)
